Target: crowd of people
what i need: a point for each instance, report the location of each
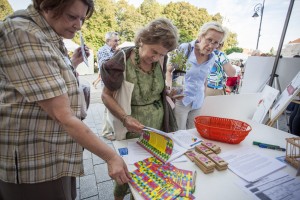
(42, 136)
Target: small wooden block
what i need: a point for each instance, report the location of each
(212, 146)
(220, 163)
(203, 149)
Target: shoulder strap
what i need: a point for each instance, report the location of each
(22, 16)
(124, 73)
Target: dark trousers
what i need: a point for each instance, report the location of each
(294, 121)
(61, 189)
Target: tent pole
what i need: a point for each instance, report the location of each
(287, 19)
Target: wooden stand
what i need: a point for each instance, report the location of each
(293, 151)
(271, 122)
(286, 97)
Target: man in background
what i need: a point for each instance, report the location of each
(106, 52)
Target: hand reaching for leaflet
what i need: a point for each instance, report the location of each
(117, 170)
(132, 124)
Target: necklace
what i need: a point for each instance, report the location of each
(145, 95)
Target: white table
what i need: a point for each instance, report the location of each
(222, 184)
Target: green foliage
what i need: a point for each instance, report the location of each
(128, 20)
(5, 9)
(119, 16)
(178, 59)
(231, 40)
(150, 9)
(183, 16)
(102, 21)
(234, 49)
(272, 51)
(218, 18)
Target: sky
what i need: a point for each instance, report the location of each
(238, 19)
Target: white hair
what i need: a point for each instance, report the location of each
(110, 35)
(213, 26)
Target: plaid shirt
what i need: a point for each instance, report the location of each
(33, 147)
(104, 54)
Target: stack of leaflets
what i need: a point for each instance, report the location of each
(155, 180)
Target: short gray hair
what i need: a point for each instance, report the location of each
(213, 26)
(159, 31)
(110, 35)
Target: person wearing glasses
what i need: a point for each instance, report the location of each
(216, 78)
(41, 133)
(106, 52)
(200, 61)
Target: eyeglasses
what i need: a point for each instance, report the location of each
(209, 41)
(117, 40)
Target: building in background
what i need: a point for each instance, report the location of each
(291, 49)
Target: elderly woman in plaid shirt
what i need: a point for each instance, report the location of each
(41, 134)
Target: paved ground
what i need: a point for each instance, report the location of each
(96, 184)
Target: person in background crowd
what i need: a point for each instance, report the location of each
(201, 60)
(294, 120)
(145, 63)
(216, 78)
(256, 53)
(41, 134)
(106, 52)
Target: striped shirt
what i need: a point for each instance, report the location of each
(33, 67)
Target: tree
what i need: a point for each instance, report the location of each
(272, 51)
(218, 18)
(128, 20)
(150, 9)
(231, 40)
(183, 16)
(234, 49)
(5, 9)
(102, 21)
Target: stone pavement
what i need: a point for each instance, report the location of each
(96, 184)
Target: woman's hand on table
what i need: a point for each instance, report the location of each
(117, 170)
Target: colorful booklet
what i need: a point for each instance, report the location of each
(167, 146)
(160, 145)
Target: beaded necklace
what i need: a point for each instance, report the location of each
(138, 73)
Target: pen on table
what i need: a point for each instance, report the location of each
(269, 145)
(195, 143)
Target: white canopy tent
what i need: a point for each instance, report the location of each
(291, 50)
(125, 44)
(82, 69)
(237, 56)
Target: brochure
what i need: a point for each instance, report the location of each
(167, 146)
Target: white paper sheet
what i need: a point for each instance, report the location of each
(82, 49)
(250, 165)
(136, 153)
(185, 139)
(269, 95)
(276, 186)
